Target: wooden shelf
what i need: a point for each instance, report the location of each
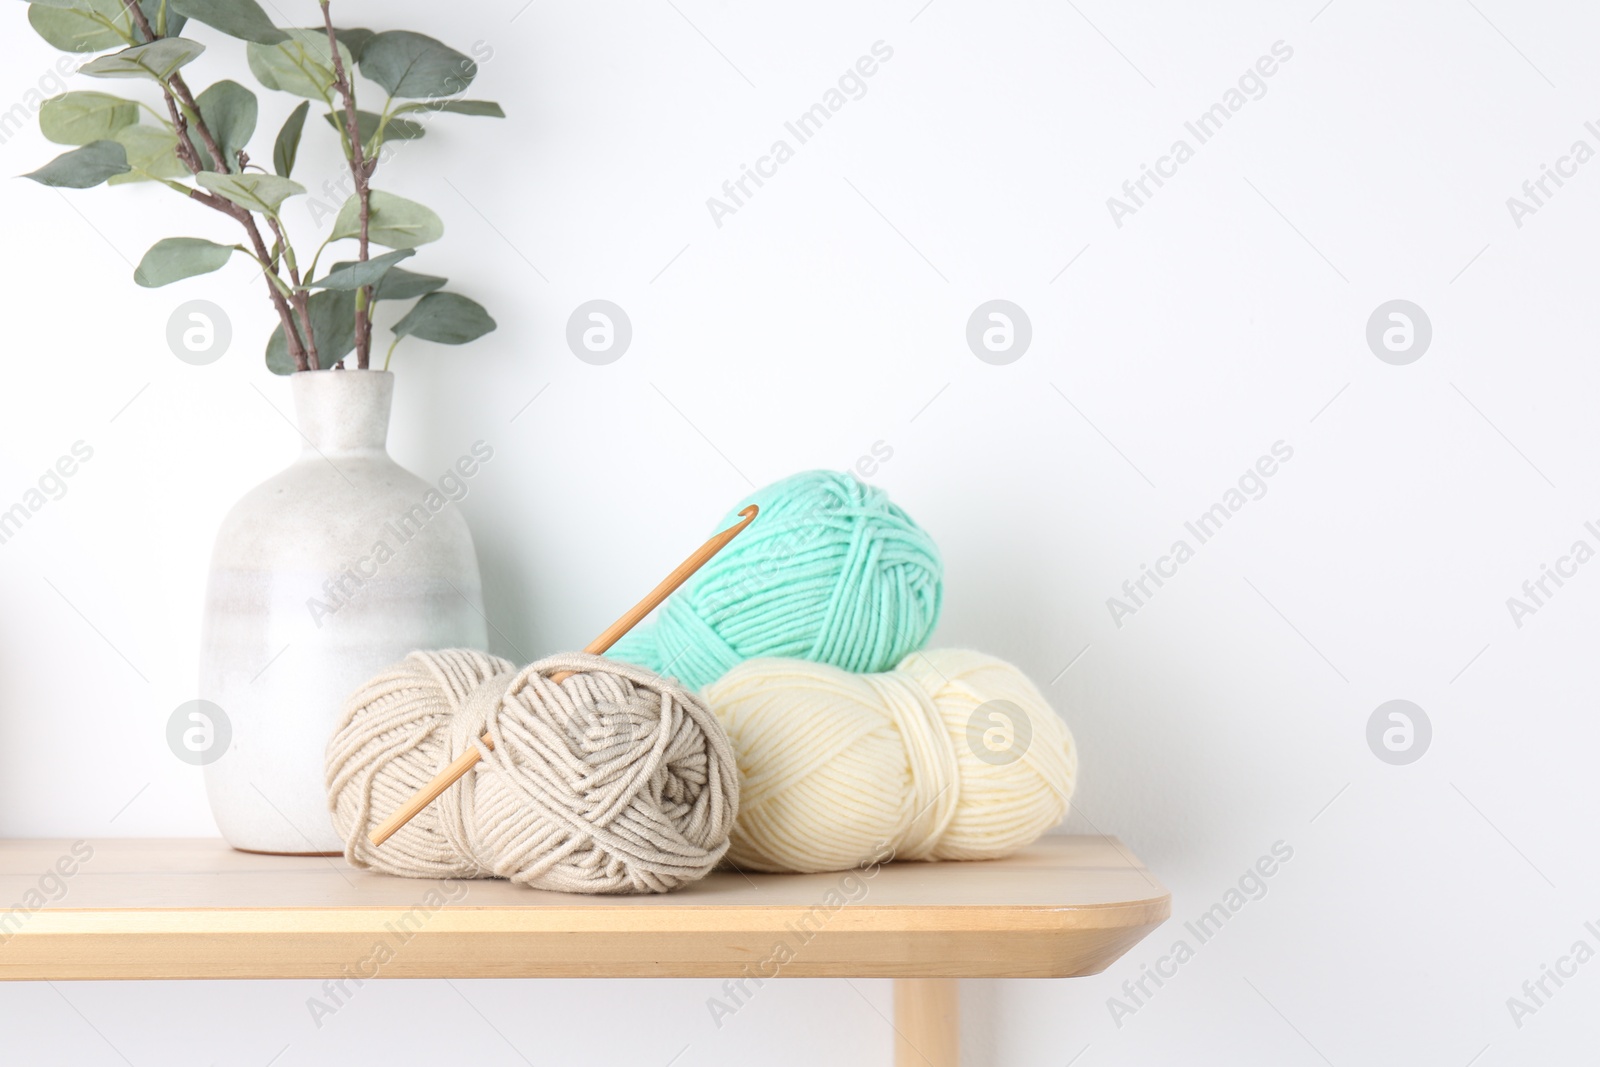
(197, 909)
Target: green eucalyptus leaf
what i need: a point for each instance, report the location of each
(301, 65)
(402, 284)
(173, 258)
(95, 25)
(333, 323)
(81, 117)
(278, 360)
(82, 25)
(484, 108)
(158, 60)
(287, 147)
(152, 153)
(447, 318)
(397, 283)
(83, 168)
(257, 192)
(411, 65)
(243, 19)
(354, 39)
(357, 274)
(393, 222)
(76, 29)
(367, 125)
(229, 111)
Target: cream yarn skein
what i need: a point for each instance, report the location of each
(613, 781)
(954, 755)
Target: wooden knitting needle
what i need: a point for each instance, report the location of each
(468, 759)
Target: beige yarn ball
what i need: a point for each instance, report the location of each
(615, 780)
(954, 755)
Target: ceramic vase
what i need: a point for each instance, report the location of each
(322, 576)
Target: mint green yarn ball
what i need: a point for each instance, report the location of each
(830, 571)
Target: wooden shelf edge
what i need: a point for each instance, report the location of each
(287, 945)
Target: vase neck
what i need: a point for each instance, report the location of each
(343, 411)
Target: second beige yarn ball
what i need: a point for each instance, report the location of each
(953, 755)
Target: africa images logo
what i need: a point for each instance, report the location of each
(1251, 485)
(1252, 85)
(810, 122)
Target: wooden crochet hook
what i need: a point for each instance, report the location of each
(468, 759)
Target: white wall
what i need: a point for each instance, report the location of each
(1228, 714)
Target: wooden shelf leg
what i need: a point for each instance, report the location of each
(927, 1022)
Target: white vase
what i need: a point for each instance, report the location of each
(321, 576)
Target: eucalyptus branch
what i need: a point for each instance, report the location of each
(173, 90)
(299, 298)
(375, 149)
(288, 252)
(361, 171)
(304, 355)
(215, 169)
(180, 126)
(180, 88)
(175, 85)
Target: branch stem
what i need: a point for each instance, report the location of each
(361, 170)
